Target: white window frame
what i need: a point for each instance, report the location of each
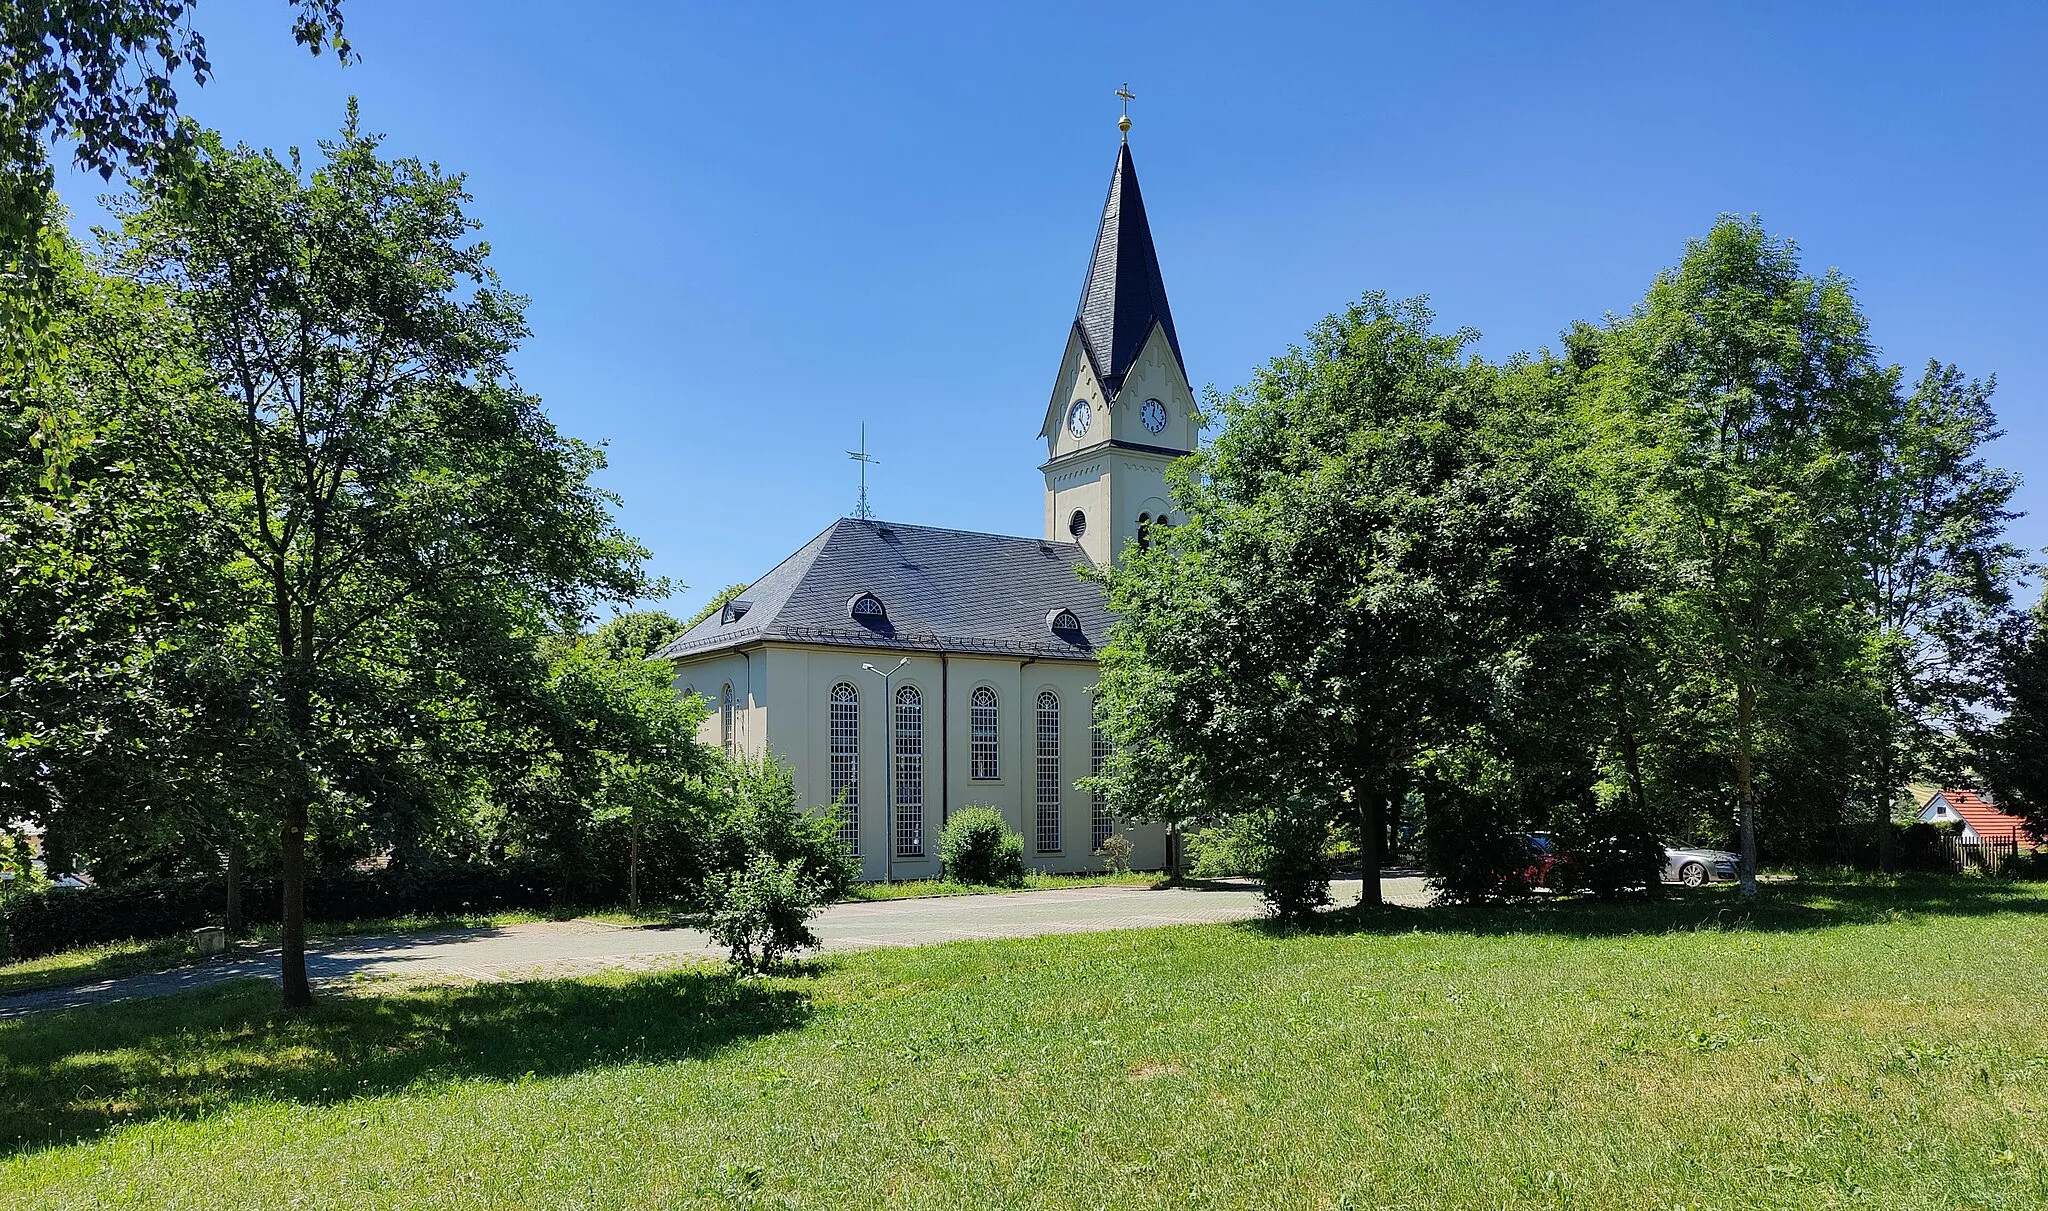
(984, 735)
(909, 772)
(842, 718)
(1046, 796)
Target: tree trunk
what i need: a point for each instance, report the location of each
(298, 993)
(1887, 850)
(633, 868)
(234, 891)
(1368, 847)
(1745, 784)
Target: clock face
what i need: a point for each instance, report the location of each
(1154, 415)
(1077, 417)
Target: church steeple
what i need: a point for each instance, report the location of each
(1124, 294)
(1121, 408)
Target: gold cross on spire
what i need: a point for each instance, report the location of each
(1124, 123)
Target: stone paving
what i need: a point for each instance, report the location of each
(550, 949)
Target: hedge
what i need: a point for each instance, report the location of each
(44, 922)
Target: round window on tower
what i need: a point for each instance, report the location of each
(1077, 525)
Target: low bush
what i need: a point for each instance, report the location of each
(976, 846)
(761, 813)
(1473, 848)
(1115, 854)
(1607, 853)
(1223, 851)
(1285, 846)
(1290, 857)
(59, 918)
(763, 911)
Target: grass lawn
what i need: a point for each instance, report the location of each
(910, 889)
(1848, 1045)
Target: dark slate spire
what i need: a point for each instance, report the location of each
(1124, 295)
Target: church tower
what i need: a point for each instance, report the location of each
(1121, 408)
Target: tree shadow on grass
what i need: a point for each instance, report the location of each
(1785, 907)
(74, 1075)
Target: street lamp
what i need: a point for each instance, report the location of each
(888, 769)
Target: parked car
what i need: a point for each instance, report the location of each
(1695, 866)
(1543, 859)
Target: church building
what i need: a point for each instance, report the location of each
(996, 636)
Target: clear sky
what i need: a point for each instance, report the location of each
(748, 229)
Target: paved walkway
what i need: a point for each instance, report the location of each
(548, 949)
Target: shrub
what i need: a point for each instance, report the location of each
(1115, 852)
(763, 911)
(60, 918)
(759, 812)
(977, 847)
(1607, 852)
(1284, 846)
(1221, 851)
(1472, 847)
(1290, 857)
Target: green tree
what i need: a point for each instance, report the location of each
(635, 636)
(623, 743)
(2013, 754)
(1748, 385)
(1374, 566)
(103, 75)
(1929, 536)
(402, 522)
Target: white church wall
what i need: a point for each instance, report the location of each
(708, 676)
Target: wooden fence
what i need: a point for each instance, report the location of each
(1987, 856)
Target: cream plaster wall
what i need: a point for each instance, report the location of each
(798, 680)
(1114, 488)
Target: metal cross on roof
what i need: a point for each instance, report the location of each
(861, 456)
(1124, 123)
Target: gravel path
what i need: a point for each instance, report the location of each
(549, 949)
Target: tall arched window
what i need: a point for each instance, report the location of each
(1099, 824)
(845, 731)
(981, 735)
(1048, 773)
(725, 717)
(909, 773)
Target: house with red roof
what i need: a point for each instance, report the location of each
(1980, 820)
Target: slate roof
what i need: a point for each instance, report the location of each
(1124, 294)
(943, 590)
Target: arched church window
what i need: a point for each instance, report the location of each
(725, 713)
(1144, 531)
(1099, 826)
(1048, 784)
(909, 773)
(981, 735)
(844, 729)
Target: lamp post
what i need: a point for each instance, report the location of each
(888, 769)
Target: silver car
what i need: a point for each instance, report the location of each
(1694, 866)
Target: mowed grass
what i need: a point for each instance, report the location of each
(1844, 1046)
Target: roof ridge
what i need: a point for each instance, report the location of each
(914, 525)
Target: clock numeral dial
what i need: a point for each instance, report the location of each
(1154, 415)
(1078, 416)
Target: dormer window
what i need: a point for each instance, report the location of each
(868, 608)
(1065, 624)
(734, 611)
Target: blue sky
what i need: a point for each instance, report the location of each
(746, 230)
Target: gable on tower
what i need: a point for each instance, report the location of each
(1123, 297)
